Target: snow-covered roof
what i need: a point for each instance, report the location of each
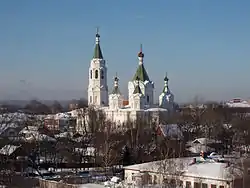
(91, 185)
(128, 108)
(204, 141)
(63, 115)
(197, 148)
(40, 137)
(5, 126)
(14, 117)
(209, 169)
(88, 151)
(63, 135)
(29, 129)
(238, 103)
(156, 109)
(8, 149)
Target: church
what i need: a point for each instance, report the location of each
(140, 102)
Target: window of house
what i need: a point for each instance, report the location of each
(96, 74)
(204, 185)
(90, 74)
(149, 179)
(155, 179)
(197, 185)
(172, 182)
(147, 99)
(188, 184)
(213, 186)
(102, 74)
(180, 183)
(11, 133)
(90, 99)
(165, 181)
(221, 186)
(133, 177)
(248, 171)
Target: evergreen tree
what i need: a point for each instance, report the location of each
(126, 156)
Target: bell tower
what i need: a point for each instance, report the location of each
(97, 88)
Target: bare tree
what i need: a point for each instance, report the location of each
(56, 107)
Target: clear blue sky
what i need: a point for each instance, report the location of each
(46, 46)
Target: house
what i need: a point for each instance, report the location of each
(29, 131)
(60, 121)
(9, 130)
(189, 172)
(204, 144)
(11, 152)
(12, 123)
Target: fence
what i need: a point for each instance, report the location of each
(54, 184)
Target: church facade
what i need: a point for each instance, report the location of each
(140, 102)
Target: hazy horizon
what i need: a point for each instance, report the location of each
(46, 46)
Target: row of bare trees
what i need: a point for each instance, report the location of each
(39, 107)
(139, 141)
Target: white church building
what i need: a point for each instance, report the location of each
(140, 92)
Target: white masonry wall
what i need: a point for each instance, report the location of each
(98, 88)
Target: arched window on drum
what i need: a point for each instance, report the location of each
(96, 74)
(102, 74)
(90, 74)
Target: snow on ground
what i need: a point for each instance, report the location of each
(91, 185)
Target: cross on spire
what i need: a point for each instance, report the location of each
(116, 79)
(140, 55)
(97, 52)
(166, 79)
(97, 30)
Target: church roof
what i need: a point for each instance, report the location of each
(141, 73)
(116, 90)
(137, 87)
(98, 52)
(166, 89)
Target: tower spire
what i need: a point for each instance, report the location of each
(116, 88)
(140, 55)
(141, 71)
(166, 79)
(116, 79)
(97, 36)
(97, 52)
